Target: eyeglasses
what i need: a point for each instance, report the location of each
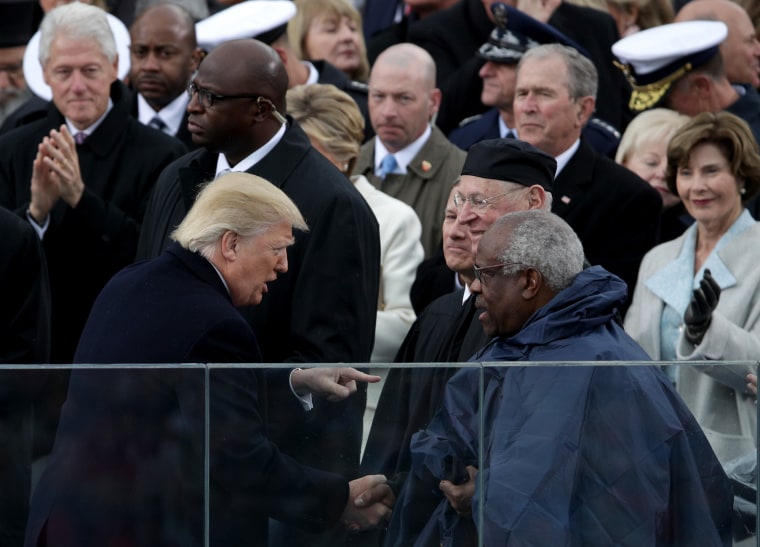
(479, 202)
(489, 271)
(206, 99)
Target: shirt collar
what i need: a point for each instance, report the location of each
(504, 129)
(313, 73)
(565, 156)
(91, 129)
(404, 156)
(172, 114)
(674, 282)
(252, 159)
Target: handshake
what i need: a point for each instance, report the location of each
(370, 503)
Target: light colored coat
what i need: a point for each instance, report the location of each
(717, 393)
(400, 254)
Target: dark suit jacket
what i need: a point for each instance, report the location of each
(24, 338)
(614, 212)
(454, 35)
(85, 246)
(599, 135)
(182, 135)
(128, 463)
(323, 309)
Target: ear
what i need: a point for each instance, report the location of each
(435, 102)
(533, 284)
(196, 58)
(702, 85)
(228, 244)
(280, 51)
(585, 109)
(536, 197)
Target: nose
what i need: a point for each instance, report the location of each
(194, 105)
(78, 81)
(151, 62)
(5, 80)
(466, 214)
(345, 34)
(475, 287)
(282, 263)
(486, 69)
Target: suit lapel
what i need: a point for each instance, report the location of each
(570, 185)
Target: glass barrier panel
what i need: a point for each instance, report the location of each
(460, 454)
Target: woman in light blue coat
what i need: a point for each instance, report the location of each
(678, 311)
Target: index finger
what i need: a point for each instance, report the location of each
(353, 374)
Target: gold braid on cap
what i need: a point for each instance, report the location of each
(647, 96)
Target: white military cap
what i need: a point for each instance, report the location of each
(33, 69)
(655, 58)
(265, 20)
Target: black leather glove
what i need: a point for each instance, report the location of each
(699, 313)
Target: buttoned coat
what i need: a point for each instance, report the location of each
(716, 394)
(128, 463)
(426, 185)
(323, 310)
(614, 212)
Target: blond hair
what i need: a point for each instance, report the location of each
(239, 202)
(330, 117)
(652, 125)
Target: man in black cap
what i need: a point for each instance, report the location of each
(516, 32)
(499, 176)
(18, 21)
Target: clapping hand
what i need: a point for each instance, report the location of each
(699, 313)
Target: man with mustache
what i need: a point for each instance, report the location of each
(163, 55)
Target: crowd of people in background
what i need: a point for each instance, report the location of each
(366, 184)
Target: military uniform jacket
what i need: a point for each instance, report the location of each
(426, 185)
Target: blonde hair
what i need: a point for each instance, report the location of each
(330, 117)
(308, 10)
(651, 125)
(239, 202)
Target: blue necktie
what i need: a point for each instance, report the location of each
(388, 164)
(80, 137)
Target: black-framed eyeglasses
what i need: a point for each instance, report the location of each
(206, 98)
(484, 272)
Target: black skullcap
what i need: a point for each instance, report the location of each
(18, 22)
(510, 160)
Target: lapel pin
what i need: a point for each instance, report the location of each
(426, 166)
(565, 200)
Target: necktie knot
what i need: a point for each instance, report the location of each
(387, 165)
(80, 137)
(157, 123)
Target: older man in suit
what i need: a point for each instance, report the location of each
(113, 475)
(83, 173)
(614, 212)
